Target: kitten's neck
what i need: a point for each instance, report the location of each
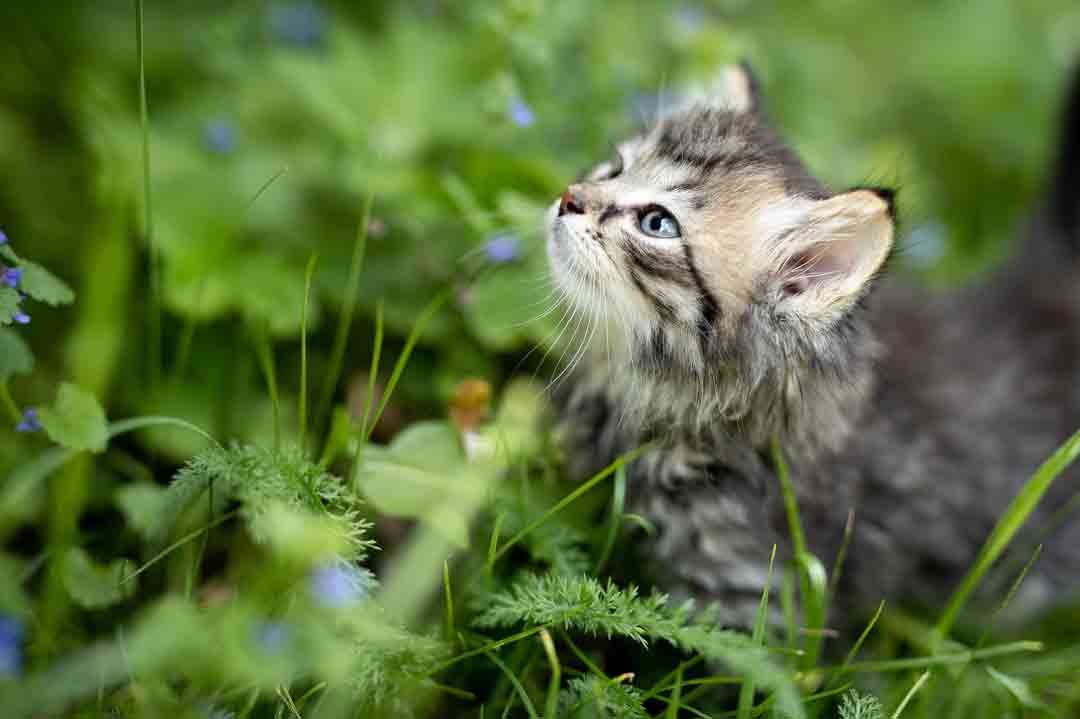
(808, 398)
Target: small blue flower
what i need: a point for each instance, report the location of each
(299, 24)
(340, 583)
(21, 317)
(11, 636)
(520, 113)
(220, 136)
(502, 248)
(272, 637)
(12, 276)
(3, 238)
(29, 422)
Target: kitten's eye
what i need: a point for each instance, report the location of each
(658, 222)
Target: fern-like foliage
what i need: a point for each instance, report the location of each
(583, 604)
(860, 706)
(260, 480)
(594, 697)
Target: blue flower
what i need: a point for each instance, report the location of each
(340, 583)
(502, 248)
(29, 422)
(21, 317)
(12, 276)
(272, 637)
(11, 636)
(220, 136)
(299, 24)
(3, 238)
(520, 113)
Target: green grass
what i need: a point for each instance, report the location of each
(207, 562)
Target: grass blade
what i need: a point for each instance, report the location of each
(1010, 523)
(450, 633)
(341, 337)
(403, 358)
(154, 343)
(570, 498)
(940, 660)
(551, 706)
(618, 503)
(264, 351)
(746, 694)
(858, 644)
(302, 400)
(910, 694)
(516, 684)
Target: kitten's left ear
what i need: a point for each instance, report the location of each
(734, 88)
(835, 250)
(737, 88)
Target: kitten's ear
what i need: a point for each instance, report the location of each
(834, 252)
(734, 88)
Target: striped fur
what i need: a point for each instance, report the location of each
(761, 321)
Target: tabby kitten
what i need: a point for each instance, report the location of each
(733, 299)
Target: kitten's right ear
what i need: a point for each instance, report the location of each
(831, 254)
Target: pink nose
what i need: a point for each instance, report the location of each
(570, 204)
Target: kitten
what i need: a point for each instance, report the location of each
(734, 299)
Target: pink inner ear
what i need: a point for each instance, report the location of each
(822, 261)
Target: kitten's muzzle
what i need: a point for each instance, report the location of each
(571, 204)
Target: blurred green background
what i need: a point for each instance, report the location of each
(462, 119)
(271, 124)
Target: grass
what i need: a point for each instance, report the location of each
(227, 578)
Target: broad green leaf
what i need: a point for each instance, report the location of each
(9, 305)
(423, 475)
(144, 506)
(515, 432)
(96, 586)
(43, 285)
(75, 420)
(429, 445)
(13, 599)
(15, 355)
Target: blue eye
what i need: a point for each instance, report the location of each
(660, 223)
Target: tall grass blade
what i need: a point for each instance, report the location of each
(154, 343)
(403, 358)
(264, 351)
(1009, 596)
(618, 504)
(341, 337)
(302, 408)
(1010, 523)
(570, 498)
(551, 706)
(910, 694)
(746, 694)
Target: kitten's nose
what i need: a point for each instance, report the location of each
(571, 203)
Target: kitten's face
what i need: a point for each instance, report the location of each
(692, 225)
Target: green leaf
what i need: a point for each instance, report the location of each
(15, 355)
(1018, 688)
(43, 285)
(75, 420)
(9, 305)
(144, 505)
(96, 586)
(423, 475)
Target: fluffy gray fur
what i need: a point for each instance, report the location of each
(923, 414)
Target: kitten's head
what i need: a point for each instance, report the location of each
(724, 263)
